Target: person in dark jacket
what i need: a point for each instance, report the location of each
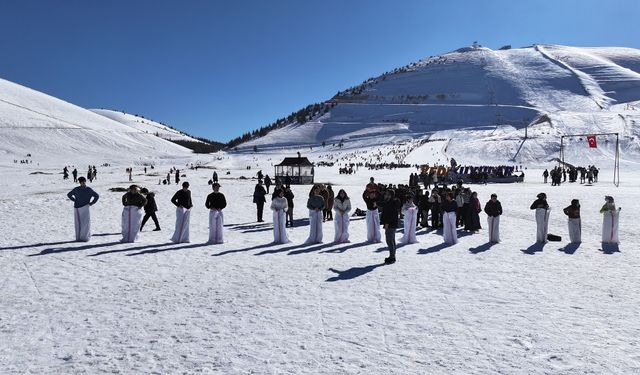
(449, 209)
(75, 175)
(133, 202)
(316, 205)
(150, 209)
(259, 199)
(389, 220)
(182, 200)
(83, 197)
(289, 195)
(328, 210)
(472, 222)
(216, 202)
(267, 182)
(541, 207)
(493, 209)
(575, 228)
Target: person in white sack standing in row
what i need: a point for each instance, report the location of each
(493, 209)
(83, 197)
(133, 202)
(410, 214)
(342, 207)
(316, 205)
(216, 202)
(371, 197)
(610, 221)
(573, 221)
(280, 206)
(542, 209)
(182, 200)
(449, 230)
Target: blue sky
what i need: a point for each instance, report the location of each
(217, 69)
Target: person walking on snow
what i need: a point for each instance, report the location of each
(133, 202)
(83, 197)
(342, 207)
(258, 198)
(575, 227)
(389, 220)
(542, 209)
(610, 221)
(316, 205)
(279, 206)
(150, 209)
(493, 209)
(182, 200)
(215, 202)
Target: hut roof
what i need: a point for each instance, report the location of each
(288, 162)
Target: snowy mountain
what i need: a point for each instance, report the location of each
(508, 104)
(54, 131)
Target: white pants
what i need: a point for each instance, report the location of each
(279, 227)
(410, 223)
(373, 226)
(575, 230)
(131, 217)
(216, 224)
(542, 222)
(449, 228)
(494, 228)
(315, 227)
(610, 223)
(181, 233)
(341, 224)
(82, 223)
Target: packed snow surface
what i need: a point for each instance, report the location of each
(249, 306)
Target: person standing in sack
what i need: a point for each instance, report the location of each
(342, 207)
(83, 197)
(610, 221)
(449, 209)
(279, 206)
(316, 205)
(216, 202)
(371, 197)
(182, 200)
(541, 207)
(493, 209)
(575, 227)
(133, 202)
(150, 209)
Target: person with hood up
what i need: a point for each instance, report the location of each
(610, 221)
(280, 206)
(342, 207)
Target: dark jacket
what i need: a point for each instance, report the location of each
(289, 195)
(390, 213)
(82, 196)
(493, 209)
(182, 199)
(449, 206)
(134, 199)
(315, 202)
(258, 194)
(372, 203)
(572, 211)
(539, 203)
(151, 205)
(215, 201)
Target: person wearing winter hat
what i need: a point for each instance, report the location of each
(610, 221)
(575, 227)
(542, 209)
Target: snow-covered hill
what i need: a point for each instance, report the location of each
(53, 131)
(491, 105)
(146, 125)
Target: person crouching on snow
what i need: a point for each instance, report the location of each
(370, 197)
(133, 202)
(315, 204)
(215, 203)
(575, 228)
(182, 200)
(280, 206)
(342, 207)
(449, 208)
(542, 217)
(410, 214)
(83, 197)
(389, 220)
(610, 221)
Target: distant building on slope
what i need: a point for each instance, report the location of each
(300, 170)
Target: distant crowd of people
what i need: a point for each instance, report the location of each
(559, 175)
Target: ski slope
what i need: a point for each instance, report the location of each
(505, 105)
(54, 131)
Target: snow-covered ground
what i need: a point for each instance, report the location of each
(248, 306)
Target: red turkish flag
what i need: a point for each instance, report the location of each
(592, 141)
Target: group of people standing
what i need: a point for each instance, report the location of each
(386, 208)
